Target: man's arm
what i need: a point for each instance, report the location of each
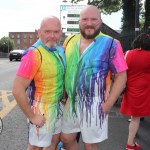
(19, 88)
(117, 87)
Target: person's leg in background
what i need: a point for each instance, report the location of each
(133, 128)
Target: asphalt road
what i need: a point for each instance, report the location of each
(7, 73)
(14, 135)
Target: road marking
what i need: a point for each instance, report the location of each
(7, 102)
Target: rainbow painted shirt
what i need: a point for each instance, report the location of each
(86, 74)
(46, 69)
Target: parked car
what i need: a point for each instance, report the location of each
(16, 54)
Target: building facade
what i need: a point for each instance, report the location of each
(23, 40)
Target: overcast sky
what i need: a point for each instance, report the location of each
(25, 15)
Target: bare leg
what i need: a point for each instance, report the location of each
(91, 146)
(30, 147)
(69, 141)
(133, 128)
(54, 142)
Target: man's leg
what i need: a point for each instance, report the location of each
(91, 146)
(54, 142)
(30, 147)
(69, 141)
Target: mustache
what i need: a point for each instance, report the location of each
(89, 27)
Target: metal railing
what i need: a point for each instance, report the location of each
(4, 55)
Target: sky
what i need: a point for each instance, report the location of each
(26, 15)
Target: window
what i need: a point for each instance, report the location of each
(30, 36)
(18, 35)
(18, 41)
(12, 36)
(25, 36)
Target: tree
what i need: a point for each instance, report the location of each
(147, 14)
(106, 6)
(128, 19)
(6, 44)
(131, 11)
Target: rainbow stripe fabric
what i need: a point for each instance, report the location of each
(45, 69)
(86, 74)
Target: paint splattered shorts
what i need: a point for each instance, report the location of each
(93, 128)
(41, 137)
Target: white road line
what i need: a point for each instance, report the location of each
(7, 106)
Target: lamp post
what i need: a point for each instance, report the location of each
(137, 29)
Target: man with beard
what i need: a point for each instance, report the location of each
(39, 85)
(90, 56)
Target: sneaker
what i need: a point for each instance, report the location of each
(135, 147)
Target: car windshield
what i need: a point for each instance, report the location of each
(17, 50)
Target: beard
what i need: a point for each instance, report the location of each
(92, 36)
(51, 45)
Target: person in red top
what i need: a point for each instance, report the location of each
(136, 99)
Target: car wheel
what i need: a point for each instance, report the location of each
(10, 59)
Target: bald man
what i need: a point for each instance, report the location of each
(39, 84)
(90, 56)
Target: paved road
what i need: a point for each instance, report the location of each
(7, 74)
(14, 135)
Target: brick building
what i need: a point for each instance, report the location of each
(23, 40)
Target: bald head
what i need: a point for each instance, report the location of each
(51, 19)
(92, 10)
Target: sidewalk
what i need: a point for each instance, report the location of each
(118, 132)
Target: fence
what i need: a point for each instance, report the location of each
(4, 55)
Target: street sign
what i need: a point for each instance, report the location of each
(69, 15)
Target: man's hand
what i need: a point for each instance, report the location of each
(106, 106)
(38, 120)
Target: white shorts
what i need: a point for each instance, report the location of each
(41, 137)
(88, 121)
